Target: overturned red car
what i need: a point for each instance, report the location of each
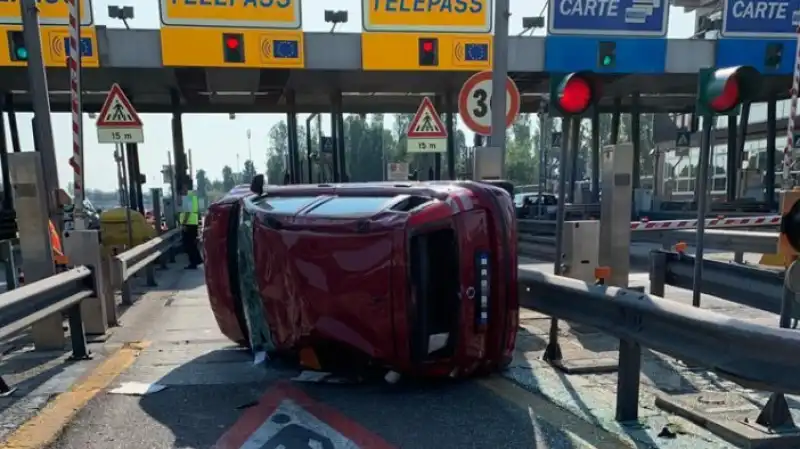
(417, 278)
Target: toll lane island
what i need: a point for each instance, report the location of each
(236, 3)
(423, 6)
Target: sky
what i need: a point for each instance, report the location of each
(206, 134)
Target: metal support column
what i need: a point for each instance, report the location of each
(449, 123)
(702, 200)
(595, 155)
(575, 135)
(769, 176)
(179, 154)
(615, 212)
(744, 119)
(336, 103)
(309, 168)
(615, 121)
(13, 129)
(731, 170)
(8, 195)
(499, 80)
(131, 157)
(437, 157)
(552, 353)
(344, 175)
(43, 130)
(636, 140)
(294, 148)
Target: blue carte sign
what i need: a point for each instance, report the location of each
(609, 17)
(760, 18)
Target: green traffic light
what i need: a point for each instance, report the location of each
(607, 61)
(22, 53)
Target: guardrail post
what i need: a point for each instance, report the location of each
(77, 335)
(630, 365)
(107, 286)
(738, 256)
(658, 273)
(83, 247)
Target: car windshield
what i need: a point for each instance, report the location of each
(351, 206)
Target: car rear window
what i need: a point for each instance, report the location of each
(351, 206)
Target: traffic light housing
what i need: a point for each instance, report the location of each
(573, 93)
(773, 55)
(16, 46)
(722, 91)
(428, 52)
(233, 48)
(607, 55)
(789, 240)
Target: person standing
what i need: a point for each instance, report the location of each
(190, 220)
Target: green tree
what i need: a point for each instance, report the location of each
(227, 178)
(249, 171)
(276, 152)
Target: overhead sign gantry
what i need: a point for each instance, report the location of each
(54, 18)
(432, 35)
(251, 34)
(590, 36)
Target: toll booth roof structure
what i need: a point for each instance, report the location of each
(327, 63)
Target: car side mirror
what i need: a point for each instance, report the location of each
(257, 185)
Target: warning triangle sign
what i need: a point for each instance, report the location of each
(117, 111)
(426, 123)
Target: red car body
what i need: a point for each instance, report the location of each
(420, 278)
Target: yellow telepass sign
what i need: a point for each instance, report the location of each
(55, 50)
(206, 47)
(269, 14)
(401, 51)
(455, 16)
(51, 12)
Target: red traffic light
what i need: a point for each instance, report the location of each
(575, 95)
(232, 43)
(728, 98)
(427, 46)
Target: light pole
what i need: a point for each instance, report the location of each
(249, 147)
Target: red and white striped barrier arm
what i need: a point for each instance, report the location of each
(733, 222)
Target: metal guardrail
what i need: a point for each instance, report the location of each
(750, 286)
(142, 257)
(750, 355)
(738, 241)
(22, 307)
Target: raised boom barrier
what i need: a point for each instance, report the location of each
(549, 226)
(22, 307)
(140, 257)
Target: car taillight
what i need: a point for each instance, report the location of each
(482, 290)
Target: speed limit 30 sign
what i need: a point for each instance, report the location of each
(474, 102)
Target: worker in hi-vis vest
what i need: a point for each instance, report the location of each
(55, 242)
(190, 221)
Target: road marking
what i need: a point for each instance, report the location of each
(583, 434)
(298, 414)
(43, 429)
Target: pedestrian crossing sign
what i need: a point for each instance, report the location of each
(426, 132)
(426, 122)
(683, 139)
(118, 121)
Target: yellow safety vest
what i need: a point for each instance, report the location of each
(194, 215)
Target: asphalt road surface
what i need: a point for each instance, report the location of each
(214, 396)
